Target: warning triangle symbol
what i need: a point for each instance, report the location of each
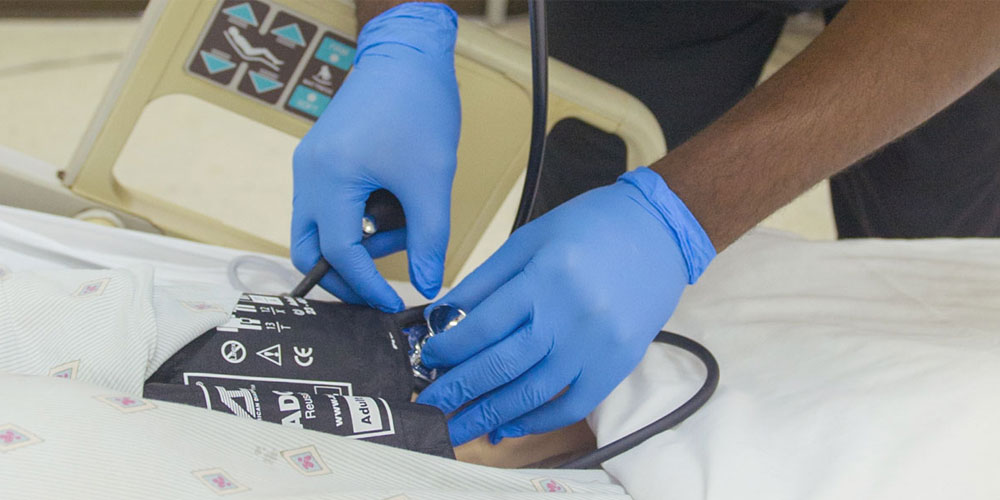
(272, 354)
(290, 32)
(243, 12)
(263, 83)
(214, 63)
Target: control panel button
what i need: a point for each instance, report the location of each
(335, 52)
(259, 49)
(245, 13)
(322, 76)
(226, 44)
(308, 101)
(282, 47)
(263, 83)
(216, 62)
(290, 34)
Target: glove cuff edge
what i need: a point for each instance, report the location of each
(694, 243)
(429, 28)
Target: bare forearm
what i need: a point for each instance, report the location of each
(879, 70)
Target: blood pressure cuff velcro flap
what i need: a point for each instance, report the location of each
(400, 424)
(302, 345)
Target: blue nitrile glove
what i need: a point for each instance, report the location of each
(393, 124)
(572, 299)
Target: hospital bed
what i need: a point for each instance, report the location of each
(850, 369)
(186, 66)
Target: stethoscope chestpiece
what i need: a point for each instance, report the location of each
(439, 318)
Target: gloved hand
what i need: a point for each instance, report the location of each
(393, 124)
(571, 301)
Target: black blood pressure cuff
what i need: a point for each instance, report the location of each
(325, 366)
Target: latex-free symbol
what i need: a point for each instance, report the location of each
(303, 357)
(272, 354)
(233, 352)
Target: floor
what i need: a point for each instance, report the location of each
(53, 74)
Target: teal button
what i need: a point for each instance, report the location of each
(308, 101)
(263, 84)
(290, 32)
(216, 64)
(243, 12)
(333, 52)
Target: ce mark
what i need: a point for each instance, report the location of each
(303, 357)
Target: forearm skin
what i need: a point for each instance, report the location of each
(880, 69)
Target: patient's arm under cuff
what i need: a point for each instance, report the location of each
(536, 451)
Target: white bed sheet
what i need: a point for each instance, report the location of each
(852, 369)
(93, 436)
(849, 369)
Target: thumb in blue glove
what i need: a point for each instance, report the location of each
(393, 124)
(569, 303)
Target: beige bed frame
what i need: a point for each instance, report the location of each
(494, 78)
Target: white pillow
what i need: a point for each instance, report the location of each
(852, 369)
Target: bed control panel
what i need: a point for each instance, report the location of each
(273, 55)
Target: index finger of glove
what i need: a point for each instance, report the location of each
(340, 243)
(496, 317)
(306, 254)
